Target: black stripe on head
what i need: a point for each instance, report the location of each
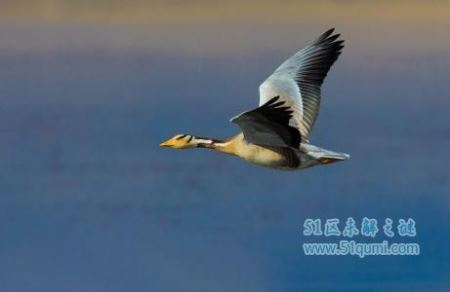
(181, 137)
(190, 138)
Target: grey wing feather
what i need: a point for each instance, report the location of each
(268, 125)
(299, 78)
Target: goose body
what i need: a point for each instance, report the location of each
(275, 134)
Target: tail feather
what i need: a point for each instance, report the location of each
(325, 156)
(337, 155)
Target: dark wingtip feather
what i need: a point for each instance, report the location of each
(328, 37)
(327, 33)
(271, 101)
(332, 38)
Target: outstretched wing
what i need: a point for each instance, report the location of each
(268, 125)
(297, 81)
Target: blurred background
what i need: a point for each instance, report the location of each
(89, 202)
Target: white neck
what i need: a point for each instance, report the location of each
(218, 145)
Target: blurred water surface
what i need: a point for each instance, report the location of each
(89, 202)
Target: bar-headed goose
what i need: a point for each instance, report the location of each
(275, 134)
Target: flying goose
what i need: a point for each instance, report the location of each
(275, 134)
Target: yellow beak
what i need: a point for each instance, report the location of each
(165, 144)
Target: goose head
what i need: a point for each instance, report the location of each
(180, 141)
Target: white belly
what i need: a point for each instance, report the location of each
(274, 158)
(263, 156)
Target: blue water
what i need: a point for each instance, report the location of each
(89, 202)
